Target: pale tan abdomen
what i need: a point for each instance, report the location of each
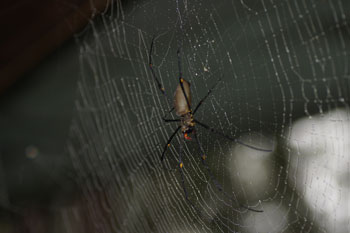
(180, 103)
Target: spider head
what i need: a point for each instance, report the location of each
(187, 130)
(187, 134)
(187, 124)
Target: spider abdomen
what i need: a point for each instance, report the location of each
(180, 103)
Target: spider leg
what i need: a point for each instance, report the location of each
(150, 64)
(160, 87)
(183, 177)
(206, 96)
(171, 120)
(168, 142)
(212, 177)
(180, 167)
(229, 138)
(181, 172)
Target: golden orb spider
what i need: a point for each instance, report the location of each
(183, 109)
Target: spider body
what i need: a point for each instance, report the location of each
(182, 106)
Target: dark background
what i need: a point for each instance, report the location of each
(36, 107)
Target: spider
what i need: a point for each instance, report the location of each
(183, 109)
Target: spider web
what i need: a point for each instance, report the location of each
(284, 71)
